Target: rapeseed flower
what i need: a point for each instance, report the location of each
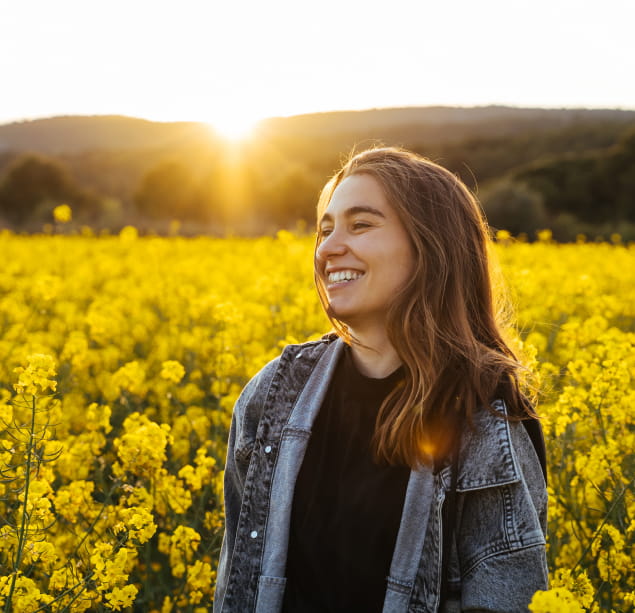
(172, 371)
(121, 597)
(62, 213)
(37, 376)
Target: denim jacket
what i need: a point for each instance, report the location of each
(497, 560)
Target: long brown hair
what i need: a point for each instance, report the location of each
(444, 323)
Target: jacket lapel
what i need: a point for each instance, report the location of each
(292, 447)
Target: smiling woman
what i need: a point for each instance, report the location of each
(364, 257)
(384, 468)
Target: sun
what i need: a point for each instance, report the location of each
(233, 128)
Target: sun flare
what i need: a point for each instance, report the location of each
(233, 128)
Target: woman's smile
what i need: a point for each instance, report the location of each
(340, 278)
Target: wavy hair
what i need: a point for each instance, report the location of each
(444, 323)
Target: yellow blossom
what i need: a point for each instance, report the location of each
(138, 523)
(128, 234)
(26, 598)
(556, 600)
(503, 236)
(200, 579)
(6, 410)
(62, 213)
(131, 377)
(142, 448)
(181, 547)
(110, 567)
(121, 597)
(172, 371)
(544, 236)
(36, 378)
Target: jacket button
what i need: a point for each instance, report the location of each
(268, 449)
(253, 534)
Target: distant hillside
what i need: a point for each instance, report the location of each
(78, 134)
(438, 125)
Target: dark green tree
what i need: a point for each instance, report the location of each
(596, 187)
(514, 207)
(170, 191)
(618, 174)
(33, 185)
(293, 197)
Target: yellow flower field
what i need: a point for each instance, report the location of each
(122, 358)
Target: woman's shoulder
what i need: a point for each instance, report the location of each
(281, 378)
(307, 350)
(496, 449)
(297, 356)
(294, 357)
(526, 433)
(291, 352)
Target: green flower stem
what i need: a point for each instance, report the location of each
(25, 518)
(80, 584)
(606, 517)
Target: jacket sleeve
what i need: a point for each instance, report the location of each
(502, 568)
(242, 436)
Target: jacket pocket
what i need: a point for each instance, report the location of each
(270, 594)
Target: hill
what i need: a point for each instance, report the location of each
(122, 170)
(438, 124)
(79, 134)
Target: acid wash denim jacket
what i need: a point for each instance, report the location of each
(497, 558)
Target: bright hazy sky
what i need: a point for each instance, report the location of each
(230, 62)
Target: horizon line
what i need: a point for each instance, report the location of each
(34, 118)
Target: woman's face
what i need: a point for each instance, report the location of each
(364, 255)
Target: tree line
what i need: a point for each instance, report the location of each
(578, 178)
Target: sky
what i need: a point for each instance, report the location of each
(232, 62)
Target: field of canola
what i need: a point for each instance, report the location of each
(122, 358)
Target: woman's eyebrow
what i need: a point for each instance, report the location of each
(355, 210)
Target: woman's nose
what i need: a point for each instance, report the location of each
(333, 244)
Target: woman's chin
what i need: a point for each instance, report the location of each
(348, 316)
(340, 311)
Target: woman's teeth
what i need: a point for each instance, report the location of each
(344, 275)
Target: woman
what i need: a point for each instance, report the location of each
(389, 466)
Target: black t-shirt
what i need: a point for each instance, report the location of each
(346, 507)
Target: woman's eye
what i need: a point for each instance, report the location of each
(360, 225)
(324, 232)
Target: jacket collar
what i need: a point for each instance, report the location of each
(486, 458)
